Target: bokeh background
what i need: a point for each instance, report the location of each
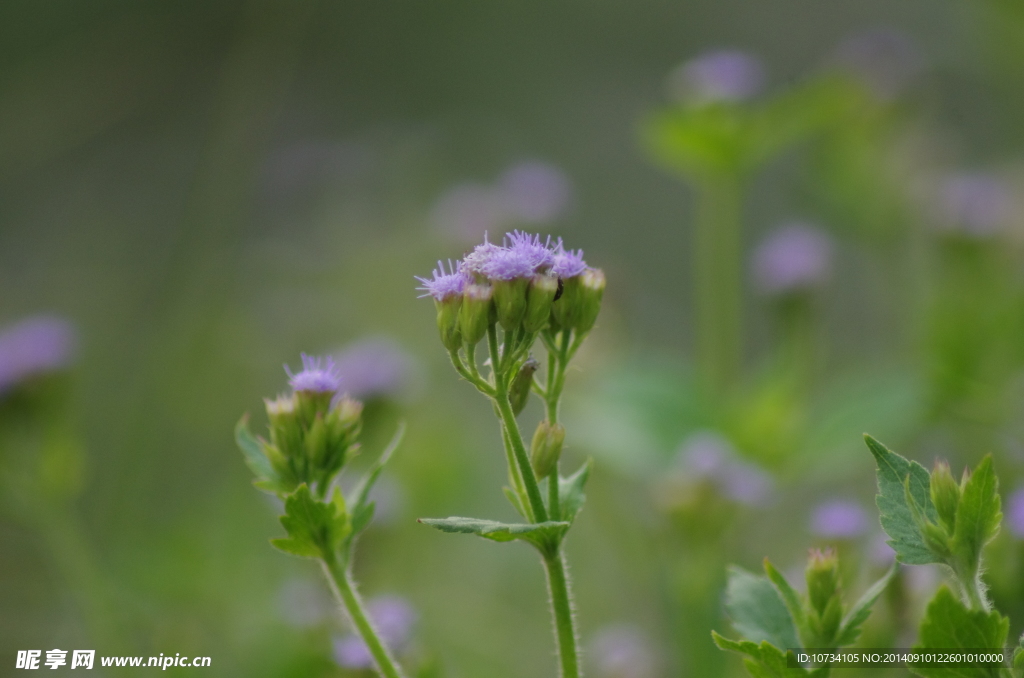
(193, 193)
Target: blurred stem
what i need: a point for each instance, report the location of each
(561, 608)
(718, 273)
(345, 591)
(553, 500)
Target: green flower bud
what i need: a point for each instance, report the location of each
(590, 291)
(510, 300)
(566, 309)
(1018, 655)
(945, 494)
(448, 322)
(519, 392)
(546, 448)
(539, 298)
(822, 576)
(936, 538)
(285, 428)
(475, 315)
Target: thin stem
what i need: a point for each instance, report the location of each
(561, 608)
(972, 587)
(492, 345)
(522, 458)
(514, 475)
(344, 590)
(476, 380)
(553, 508)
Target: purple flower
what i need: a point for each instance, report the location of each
(1015, 513)
(536, 192)
(393, 617)
(508, 264)
(839, 519)
(622, 651)
(567, 263)
(374, 367)
(316, 375)
(706, 455)
(35, 346)
(469, 211)
(885, 59)
(722, 75)
(975, 203)
(444, 284)
(791, 258)
(531, 248)
(475, 261)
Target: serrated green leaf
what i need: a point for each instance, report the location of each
(296, 547)
(948, 625)
(762, 660)
(978, 515)
(538, 534)
(789, 596)
(315, 528)
(254, 457)
(897, 517)
(861, 610)
(757, 611)
(570, 491)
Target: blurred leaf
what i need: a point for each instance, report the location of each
(540, 534)
(757, 611)
(950, 626)
(978, 515)
(513, 499)
(253, 451)
(570, 491)
(896, 514)
(861, 610)
(362, 508)
(762, 660)
(789, 596)
(315, 528)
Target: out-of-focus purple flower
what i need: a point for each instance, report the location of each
(302, 603)
(839, 519)
(317, 375)
(975, 203)
(35, 346)
(622, 651)
(706, 455)
(1015, 513)
(528, 246)
(373, 368)
(885, 59)
(468, 211)
(394, 619)
(536, 192)
(793, 257)
(567, 263)
(506, 264)
(444, 284)
(721, 75)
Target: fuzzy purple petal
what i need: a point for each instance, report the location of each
(444, 284)
(35, 346)
(317, 375)
(567, 263)
(507, 264)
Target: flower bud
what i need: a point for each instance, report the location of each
(539, 297)
(475, 314)
(566, 309)
(510, 301)
(945, 494)
(822, 576)
(519, 392)
(591, 290)
(448, 322)
(285, 428)
(546, 448)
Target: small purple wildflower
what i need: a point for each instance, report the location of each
(475, 261)
(1015, 513)
(792, 257)
(531, 248)
(394, 618)
(839, 519)
(975, 203)
(884, 59)
(536, 192)
(444, 284)
(35, 346)
(706, 455)
(318, 376)
(567, 263)
(622, 651)
(717, 76)
(508, 264)
(374, 367)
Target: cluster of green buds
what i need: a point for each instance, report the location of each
(313, 432)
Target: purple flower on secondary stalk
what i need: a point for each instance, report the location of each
(393, 617)
(975, 203)
(536, 192)
(317, 375)
(508, 264)
(885, 59)
(791, 258)
(622, 651)
(706, 455)
(375, 367)
(839, 519)
(1015, 513)
(721, 75)
(531, 248)
(444, 284)
(567, 263)
(35, 346)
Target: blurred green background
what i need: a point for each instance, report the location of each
(208, 189)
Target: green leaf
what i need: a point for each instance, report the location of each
(315, 528)
(897, 516)
(762, 660)
(539, 534)
(978, 516)
(513, 499)
(362, 508)
(850, 629)
(949, 625)
(757, 611)
(253, 451)
(789, 596)
(570, 491)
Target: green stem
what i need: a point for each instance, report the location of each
(561, 608)
(344, 590)
(973, 589)
(513, 472)
(553, 507)
(522, 458)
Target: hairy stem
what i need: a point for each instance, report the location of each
(561, 609)
(344, 590)
(540, 514)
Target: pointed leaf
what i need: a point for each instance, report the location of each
(315, 528)
(253, 451)
(757, 610)
(763, 660)
(897, 516)
(537, 534)
(570, 491)
(949, 626)
(978, 516)
(513, 499)
(362, 492)
(789, 596)
(861, 610)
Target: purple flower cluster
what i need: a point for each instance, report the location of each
(35, 346)
(839, 519)
(394, 618)
(375, 367)
(317, 376)
(792, 258)
(707, 456)
(521, 256)
(717, 76)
